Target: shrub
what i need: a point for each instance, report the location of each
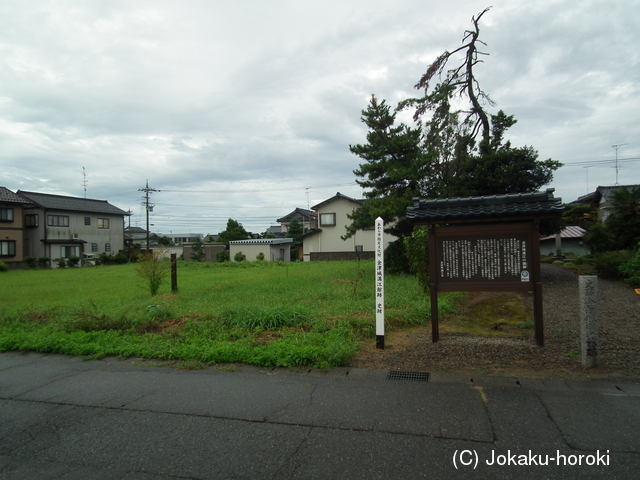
(607, 264)
(599, 238)
(120, 259)
(631, 269)
(578, 261)
(395, 259)
(111, 259)
(222, 256)
(239, 257)
(31, 262)
(197, 250)
(3, 267)
(153, 269)
(103, 259)
(73, 261)
(43, 262)
(62, 262)
(417, 252)
(260, 257)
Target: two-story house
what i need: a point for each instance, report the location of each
(57, 226)
(304, 216)
(11, 228)
(325, 242)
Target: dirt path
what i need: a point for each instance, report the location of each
(412, 350)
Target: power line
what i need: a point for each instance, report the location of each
(600, 162)
(262, 190)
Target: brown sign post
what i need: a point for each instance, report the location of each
(479, 244)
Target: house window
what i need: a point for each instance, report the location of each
(103, 223)
(359, 248)
(31, 220)
(94, 247)
(68, 252)
(327, 219)
(107, 247)
(6, 214)
(8, 248)
(87, 220)
(57, 220)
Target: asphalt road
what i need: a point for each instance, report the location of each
(69, 418)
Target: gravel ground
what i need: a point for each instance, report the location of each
(619, 352)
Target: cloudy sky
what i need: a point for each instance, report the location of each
(245, 109)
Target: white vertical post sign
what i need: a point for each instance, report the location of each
(379, 284)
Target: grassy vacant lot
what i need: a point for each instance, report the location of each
(297, 314)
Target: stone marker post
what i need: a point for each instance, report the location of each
(589, 321)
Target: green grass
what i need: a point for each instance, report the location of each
(297, 314)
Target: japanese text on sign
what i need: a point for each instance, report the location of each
(484, 259)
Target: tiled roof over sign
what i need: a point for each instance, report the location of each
(74, 204)
(495, 206)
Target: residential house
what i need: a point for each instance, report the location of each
(602, 199)
(11, 228)
(571, 241)
(325, 241)
(180, 238)
(305, 217)
(137, 235)
(272, 249)
(274, 231)
(57, 226)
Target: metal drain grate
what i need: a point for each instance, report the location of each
(414, 376)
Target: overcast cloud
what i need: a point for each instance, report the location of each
(246, 109)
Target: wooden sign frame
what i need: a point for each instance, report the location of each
(514, 263)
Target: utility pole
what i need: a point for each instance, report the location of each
(148, 206)
(616, 148)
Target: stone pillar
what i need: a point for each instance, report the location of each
(558, 245)
(589, 320)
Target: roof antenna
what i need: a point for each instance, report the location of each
(84, 182)
(617, 147)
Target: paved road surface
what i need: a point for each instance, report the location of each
(64, 417)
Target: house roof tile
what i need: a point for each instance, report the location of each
(7, 196)
(335, 197)
(75, 204)
(262, 241)
(298, 212)
(605, 192)
(572, 231)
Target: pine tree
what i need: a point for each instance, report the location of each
(392, 171)
(234, 231)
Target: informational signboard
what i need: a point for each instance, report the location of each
(486, 243)
(485, 257)
(489, 258)
(477, 258)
